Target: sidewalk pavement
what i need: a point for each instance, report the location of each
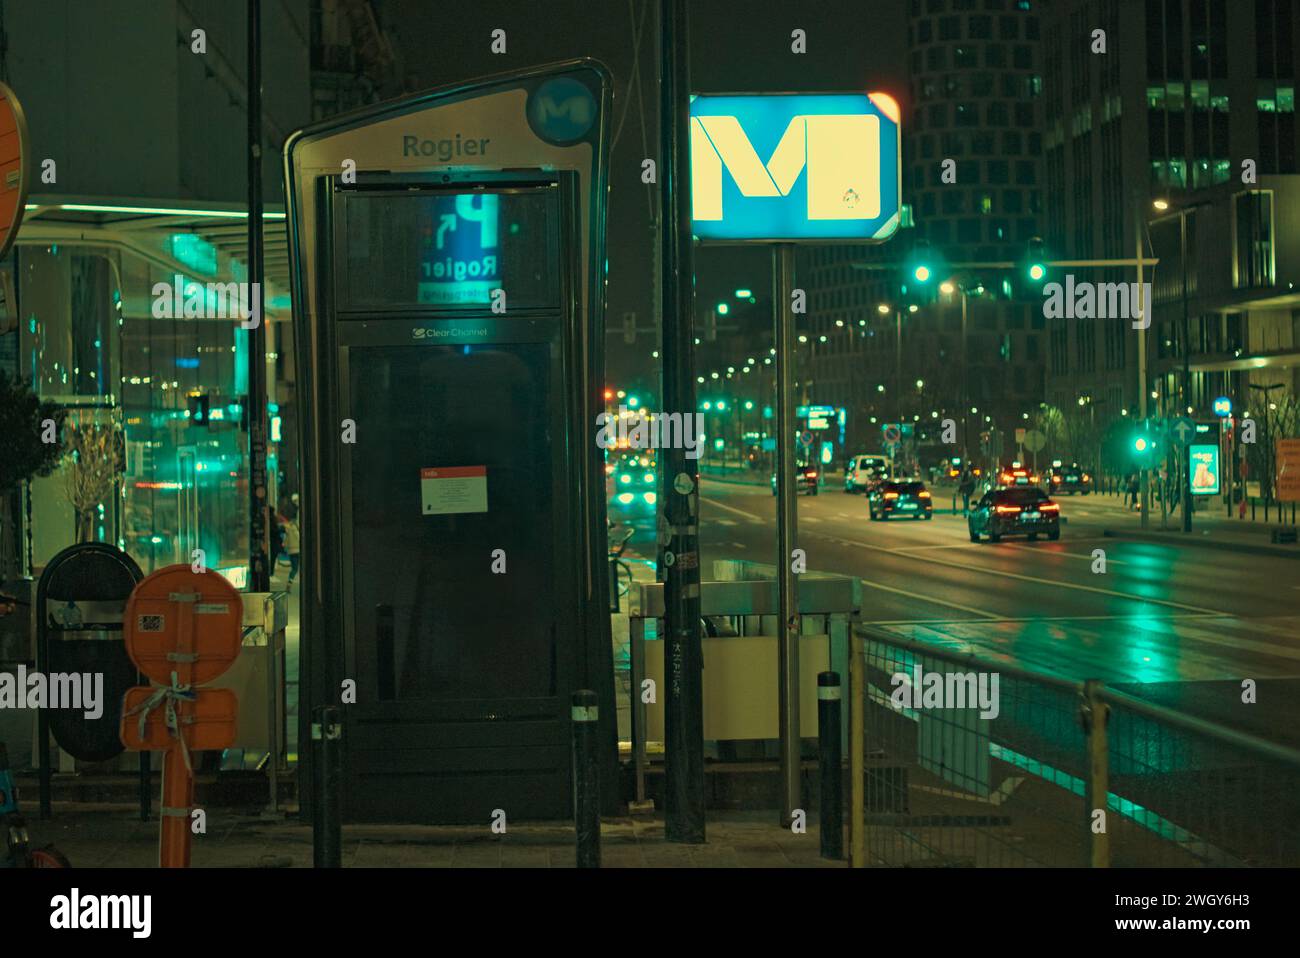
(99, 836)
(1212, 530)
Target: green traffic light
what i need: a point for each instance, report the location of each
(922, 274)
(1037, 271)
(1140, 444)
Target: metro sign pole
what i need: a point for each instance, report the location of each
(679, 521)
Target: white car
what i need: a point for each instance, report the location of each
(862, 471)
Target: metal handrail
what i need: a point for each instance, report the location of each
(1212, 730)
(1095, 701)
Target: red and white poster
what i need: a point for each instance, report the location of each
(453, 489)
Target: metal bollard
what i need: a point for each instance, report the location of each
(326, 829)
(829, 752)
(586, 778)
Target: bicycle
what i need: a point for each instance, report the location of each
(619, 567)
(18, 846)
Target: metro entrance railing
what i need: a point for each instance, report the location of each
(1068, 773)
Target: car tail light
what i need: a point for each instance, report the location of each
(1087, 478)
(1049, 507)
(1006, 509)
(811, 475)
(924, 494)
(1056, 479)
(891, 495)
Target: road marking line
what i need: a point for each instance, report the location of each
(992, 616)
(1030, 578)
(1136, 619)
(1059, 552)
(725, 522)
(739, 512)
(960, 545)
(1237, 642)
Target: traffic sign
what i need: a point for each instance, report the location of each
(794, 167)
(209, 717)
(805, 438)
(1020, 436)
(893, 432)
(183, 623)
(1035, 440)
(1223, 406)
(182, 629)
(13, 168)
(1182, 430)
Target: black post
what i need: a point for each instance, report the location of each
(1186, 475)
(326, 830)
(830, 752)
(42, 716)
(586, 778)
(683, 653)
(259, 573)
(146, 784)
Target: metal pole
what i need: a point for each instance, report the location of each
(898, 365)
(831, 761)
(857, 753)
(586, 778)
(1139, 214)
(259, 573)
(683, 651)
(327, 831)
(1097, 789)
(1186, 476)
(786, 522)
(965, 387)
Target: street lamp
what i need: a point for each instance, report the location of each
(1163, 205)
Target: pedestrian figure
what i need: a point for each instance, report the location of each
(291, 548)
(966, 487)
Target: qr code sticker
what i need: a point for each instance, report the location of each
(150, 623)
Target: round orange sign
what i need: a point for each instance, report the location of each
(13, 167)
(182, 621)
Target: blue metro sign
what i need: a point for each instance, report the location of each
(795, 167)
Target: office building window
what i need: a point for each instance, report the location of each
(1253, 211)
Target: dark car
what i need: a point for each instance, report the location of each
(906, 498)
(1015, 476)
(806, 479)
(1071, 479)
(1018, 511)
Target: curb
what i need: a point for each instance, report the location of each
(1281, 552)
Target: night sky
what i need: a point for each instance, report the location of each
(736, 46)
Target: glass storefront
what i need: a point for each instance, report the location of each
(93, 338)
